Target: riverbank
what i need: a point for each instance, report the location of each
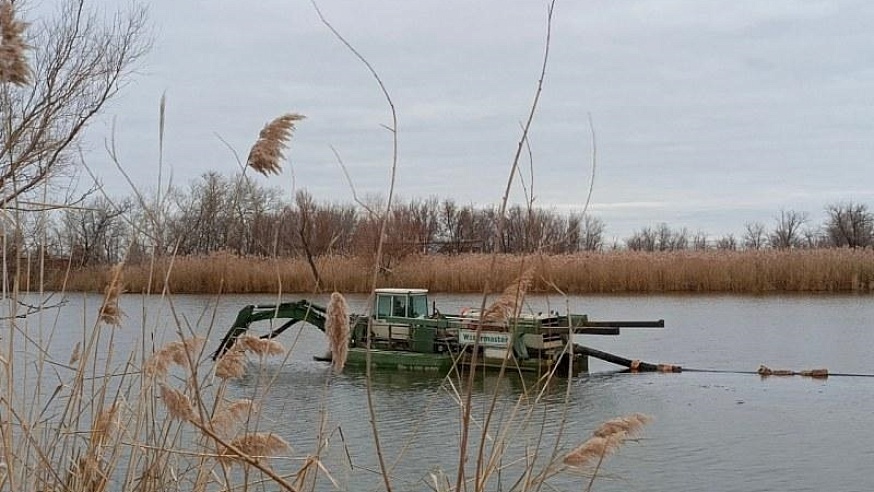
(742, 272)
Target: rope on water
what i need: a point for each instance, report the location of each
(636, 365)
(810, 373)
(766, 371)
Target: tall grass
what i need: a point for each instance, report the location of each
(738, 272)
(163, 417)
(99, 417)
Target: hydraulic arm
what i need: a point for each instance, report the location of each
(295, 312)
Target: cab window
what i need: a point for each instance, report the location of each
(399, 306)
(418, 306)
(383, 307)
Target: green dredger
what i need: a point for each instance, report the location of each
(404, 334)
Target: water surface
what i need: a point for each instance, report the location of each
(711, 431)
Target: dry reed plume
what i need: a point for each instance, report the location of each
(13, 62)
(258, 445)
(178, 404)
(509, 304)
(606, 439)
(249, 449)
(266, 153)
(110, 313)
(263, 347)
(337, 329)
(104, 425)
(89, 473)
(229, 416)
(180, 353)
(232, 364)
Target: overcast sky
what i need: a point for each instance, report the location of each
(708, 114)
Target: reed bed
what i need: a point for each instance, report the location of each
(164, 416)
(748, 272)
(150, 415)
(737, 272)
(225, 273)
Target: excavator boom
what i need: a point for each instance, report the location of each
(294, 312)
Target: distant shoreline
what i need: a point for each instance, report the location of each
(740, 272)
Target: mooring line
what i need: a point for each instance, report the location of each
(717, 371)
(636, 365)
(793, 373)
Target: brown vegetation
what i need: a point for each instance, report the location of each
(337, 329)
(266, 154)
(606, 439)
(509, 304)
(110, 313)
(740, 272)
(13, 61)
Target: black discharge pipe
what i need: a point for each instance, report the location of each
(634, 365)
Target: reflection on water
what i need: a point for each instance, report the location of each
(720, 432)
(418, 416)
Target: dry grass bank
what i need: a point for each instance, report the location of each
(824, 270)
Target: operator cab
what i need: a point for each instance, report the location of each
(401, 303)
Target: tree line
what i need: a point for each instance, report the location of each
(847, 225)
(235, 214)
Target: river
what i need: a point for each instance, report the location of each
(710, 431)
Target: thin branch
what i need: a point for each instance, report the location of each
(594, 162)
(30, 309)
(232, 150)
(384, 221)
(465, 430)
(351, 184)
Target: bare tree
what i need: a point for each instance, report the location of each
(528, 229)
(424, 217)
(726, 243)
(754, 236)
(306, 209)
(679, 240)
(813, 237)
(788, 231)
(699, 241)
(254, 206)
(96, 233)
(644, 240)
(203, 222)
(660, 238)
(849, 225)
(664, 237)
(592, 237)
(456, 228)
(78, 63)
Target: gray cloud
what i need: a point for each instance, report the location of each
(708, 114)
